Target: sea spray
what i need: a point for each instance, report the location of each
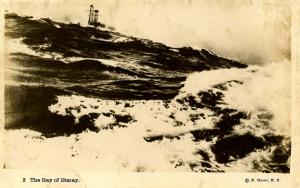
(183, 133)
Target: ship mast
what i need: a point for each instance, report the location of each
(93, 17)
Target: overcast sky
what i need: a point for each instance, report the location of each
(251, 31)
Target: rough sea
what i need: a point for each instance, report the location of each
(82, 98)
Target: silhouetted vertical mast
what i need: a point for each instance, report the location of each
(96, 17)
(91, 16)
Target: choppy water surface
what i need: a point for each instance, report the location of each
(111, 102)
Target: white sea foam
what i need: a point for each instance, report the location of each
(201, 81)
(268, 91)
(114, 38)
(17, 46)
(261, 92)
(122, 39)
(57, 26)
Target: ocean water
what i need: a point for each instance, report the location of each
(128, 109)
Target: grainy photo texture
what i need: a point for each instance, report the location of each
(148, 86)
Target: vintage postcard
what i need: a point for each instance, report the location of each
(149, 93)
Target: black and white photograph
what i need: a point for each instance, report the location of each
(201, 86)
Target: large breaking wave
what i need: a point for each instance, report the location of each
(81, 98)
(221, 120)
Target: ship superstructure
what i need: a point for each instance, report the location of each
(93, 17)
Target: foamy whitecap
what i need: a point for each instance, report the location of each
(178, 134)
(17, 46)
